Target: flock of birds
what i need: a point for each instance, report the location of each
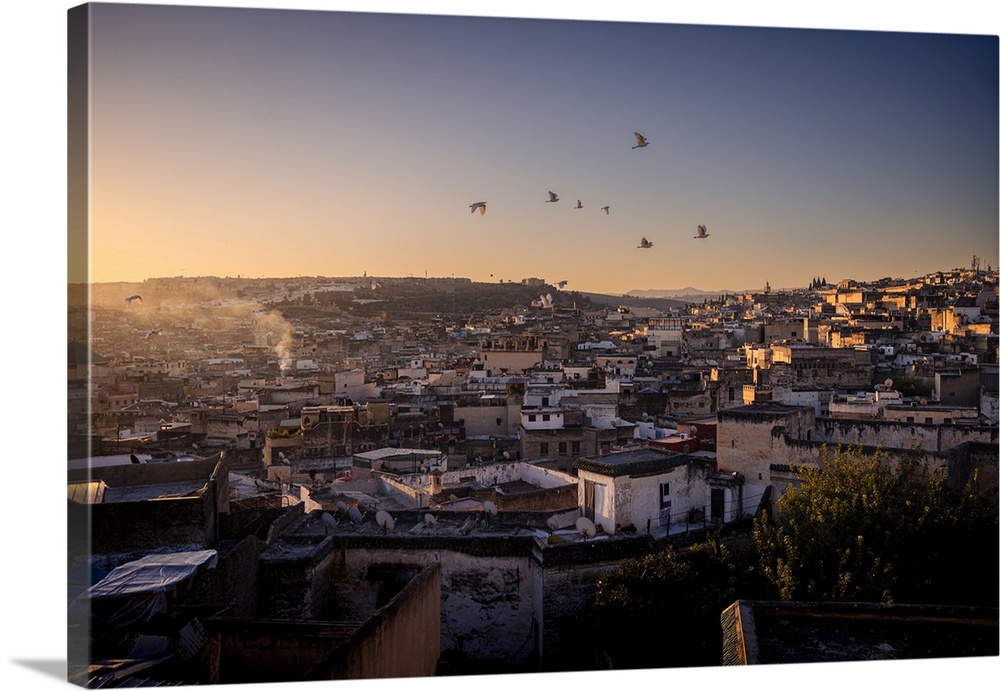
(640, 142)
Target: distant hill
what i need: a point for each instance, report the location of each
(630, 300)
(689, 292)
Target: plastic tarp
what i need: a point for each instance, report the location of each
(139, 590)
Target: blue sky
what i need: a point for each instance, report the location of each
(236, 137)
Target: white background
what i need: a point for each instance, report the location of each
(32, 456)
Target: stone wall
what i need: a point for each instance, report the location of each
(126, 530)
(901, 435)
(398, 640)
(486, 612)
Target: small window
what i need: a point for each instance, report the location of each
(546, 417)
(576, 448)
(543, 448)
(531, 418)
(562, 448)
(499, 421)
(929, 420)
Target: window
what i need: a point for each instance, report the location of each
(546, 417)
(545, 400)
(576, 448)
(499, 421)
(543, 448)
(562, 448)
(929, 420)
(531, 418)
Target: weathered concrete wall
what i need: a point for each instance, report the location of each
(134, 529)
(901, 435)
(293, 575)
(745, 443)
(133, 475)
(398, 640)
(564, 579)
(402, 639)
(233, 581)
(486, 613)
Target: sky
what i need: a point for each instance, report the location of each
(274, 142)
(36, 249)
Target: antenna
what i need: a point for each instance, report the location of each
(384, 521)
(586, 527)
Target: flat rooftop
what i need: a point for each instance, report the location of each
(765, 632)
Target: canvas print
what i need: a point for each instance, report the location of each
(407, 346)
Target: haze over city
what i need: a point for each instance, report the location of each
(270, 143)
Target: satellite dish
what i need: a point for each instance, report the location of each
(329, 519)
(551, 523)
(586, 527)
(429, 519)
(490, 508)
(888, 383)
(923, 401)
(506, 455)
(384, 521)
(452, 497)
(341, 506)
(354, 515)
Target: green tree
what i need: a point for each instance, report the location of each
(664, 607)
(859, 528)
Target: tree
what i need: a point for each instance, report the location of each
(660, 608)
(860, 528)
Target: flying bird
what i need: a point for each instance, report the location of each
(702, 233)
(644, 244)
(131, 298)
(605, 209)
(640, 141)
(543, 301)
(561, 284)
(553, 197)
(375, 284)
(478, 205)
(153, 332)
(579, 204)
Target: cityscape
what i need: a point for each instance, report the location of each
(476, 459)
(412, 346)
